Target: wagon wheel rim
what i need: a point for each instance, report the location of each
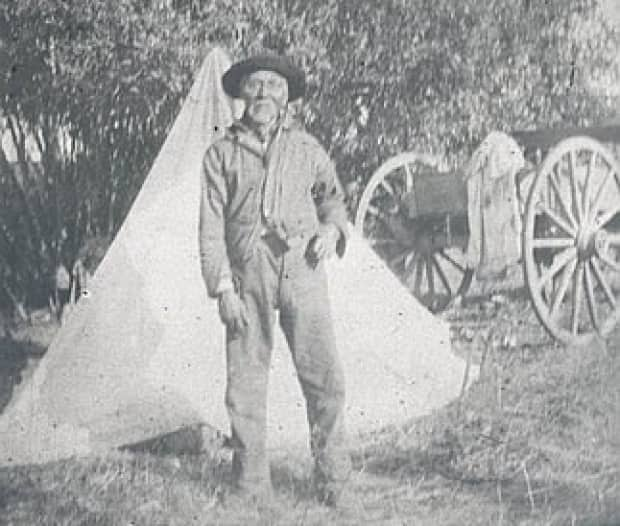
(571, 242)
(434, 275)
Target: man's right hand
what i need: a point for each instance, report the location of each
(232, 312)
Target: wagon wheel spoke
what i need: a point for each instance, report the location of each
(376, 201)
(451, 260)
(560, 198)
(430, 277)
(408, 177)
(614, 265)
(613, 239)
(567, 274)
(410, 267)
(387, 186)
(553, 242)
(381, 218)
(558, 220)
(419, 270)
(590, 296)
(600, 278)
(577, 293)
(560, 261)
(442, 276)
(602, 221)
(373, 210)
(399, 256)
(586, 190)
(598, 196)
(574, 187)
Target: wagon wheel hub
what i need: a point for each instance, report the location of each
(423, 244)
(591, 243)
(586, 243)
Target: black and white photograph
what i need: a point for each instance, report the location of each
(310, 262)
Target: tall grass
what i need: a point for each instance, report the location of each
(534, 441)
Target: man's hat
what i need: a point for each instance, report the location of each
(231, 81)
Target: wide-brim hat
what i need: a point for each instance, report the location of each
(231, 81)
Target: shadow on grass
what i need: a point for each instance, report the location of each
(298, 483)
(119, 488)
(20, 486)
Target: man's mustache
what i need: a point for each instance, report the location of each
(259, 100)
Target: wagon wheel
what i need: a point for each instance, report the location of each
(434, 273)
(571, 241)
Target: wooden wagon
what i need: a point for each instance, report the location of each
(415, 215)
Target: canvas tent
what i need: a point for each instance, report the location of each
(143, 354)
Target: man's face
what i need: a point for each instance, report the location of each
(265, 94)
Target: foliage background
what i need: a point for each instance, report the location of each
(89, 89)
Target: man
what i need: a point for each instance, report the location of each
(272, 211)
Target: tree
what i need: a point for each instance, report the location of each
(96, 85)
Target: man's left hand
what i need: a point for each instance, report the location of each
(324, 243)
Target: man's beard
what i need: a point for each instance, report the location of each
(264, 112)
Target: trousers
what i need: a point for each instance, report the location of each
(287, 282)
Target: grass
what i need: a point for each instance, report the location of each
(534, 441)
